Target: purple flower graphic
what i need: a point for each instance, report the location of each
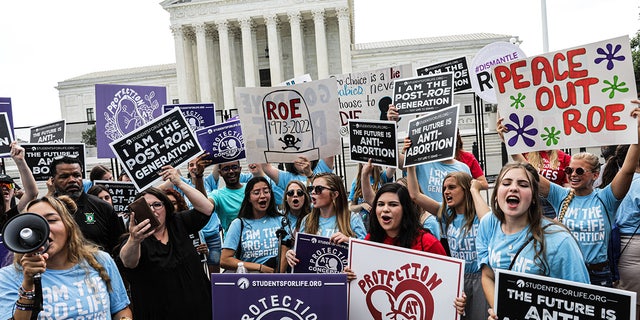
(609, 55)
(521, 130)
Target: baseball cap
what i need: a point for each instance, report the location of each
(6, 178)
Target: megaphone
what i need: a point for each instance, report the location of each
(26, 233)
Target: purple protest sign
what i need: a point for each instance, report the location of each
(121, 109)
(223, 141)
(198, 115)
(6, 135)
(319, 255)
(279, 296)
(5, 106)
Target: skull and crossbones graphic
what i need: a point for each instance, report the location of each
(290, 141)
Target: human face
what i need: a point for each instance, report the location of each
(68, 179)
(453, 193)
(57, 230)
(295, 197)
(230, 172)
(515, 194)
(389, 213)
(582, 181)
(322, 199)
(104, 195)
(8, 190)
(107, 176)
(160, 212)
(174, 202)
(260, 197)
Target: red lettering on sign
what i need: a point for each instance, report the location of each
(597, 118)
(282, 111)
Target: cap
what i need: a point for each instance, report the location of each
(6, 178)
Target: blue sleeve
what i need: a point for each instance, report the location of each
(278, 193)
(283, 178)
(611, 203)
(352, 192)
(210, 183)
(245, 177)
(86, 185)
(485, 229)
(431, 224)
(565, 258)
(357, 226)
(118, 298)
(556, 195)
(232, 237)
(10, 281)
(321, 167)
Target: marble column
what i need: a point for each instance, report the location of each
(321, 43)
(296, 43)
(189, 66)
(225, 64)
(248, 51)
(345, 38)
(203, 66)
(273, 38)
(178, 37)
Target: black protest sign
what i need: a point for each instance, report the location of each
(40, 155)
(423, 94)
(526, 296)
(167, 140)
(433, 137)
(122, 193)
(6, 136)
(48, 133)
(459, 67)
(375, 140)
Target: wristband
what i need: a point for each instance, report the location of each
(260, 270)
(29, 295)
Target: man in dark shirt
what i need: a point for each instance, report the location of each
(96, 218)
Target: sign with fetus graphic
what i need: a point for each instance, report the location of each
(398, 283)
(282, 124)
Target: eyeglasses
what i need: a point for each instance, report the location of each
(234, 167)
(318, 189)
(297, 192)
(579, 171)
(257, 192)
(156, 205)
(8, 185)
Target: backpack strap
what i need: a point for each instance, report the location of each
(513, 261)
(238, 253)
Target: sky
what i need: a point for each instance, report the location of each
(45, 42)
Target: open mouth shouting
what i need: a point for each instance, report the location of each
(512, 201)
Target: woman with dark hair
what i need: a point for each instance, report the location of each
(297, 205)
(100, 172)
(302, 169)
(101, 192)
(87, 279)
(162, 266)
(516, 236)
(251, 237)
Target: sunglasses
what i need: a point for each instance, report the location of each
(8, 185)
(297, 192)
(156, 205)
(579, 171)
(234, 167)
(318, 189)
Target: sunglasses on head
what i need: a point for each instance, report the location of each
(579, 171)
(318, 189)
(297, 192)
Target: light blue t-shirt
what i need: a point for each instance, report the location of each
(227, 204)
(586, 219)
(329, 226)
(431, 176)
(462, 243)
(70, 293)
(628, 215)
(284, 176)
(259, 242)
(563, 258)
(431, 223)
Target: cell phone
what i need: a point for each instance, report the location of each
(143, 211)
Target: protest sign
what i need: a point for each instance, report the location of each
(433, 137)
(5, 106)
(167, 140)
(461, 80)
(6, 135)
(222, 141)
(122, 193)
(569, 98)
(198, 115)
(483, 62)
(48, 133)
(398, 283)
(319, 255)
(279, 296)
(280, 124)
(301, 79)
(375, 140)
(423, 94)
(121, 109)
(527, 296)
(40, 155)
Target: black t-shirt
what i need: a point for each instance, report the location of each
(5, 256)
(98, 222)
(170, 281)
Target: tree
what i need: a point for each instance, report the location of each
(89, 136)
(635, 54)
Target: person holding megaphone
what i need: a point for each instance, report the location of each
(56, 272)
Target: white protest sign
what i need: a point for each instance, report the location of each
(482, 63)
(397, 283)
(574, 97)
(282, 123)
